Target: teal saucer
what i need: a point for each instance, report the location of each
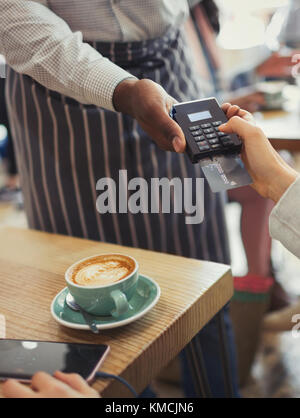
(145, 298)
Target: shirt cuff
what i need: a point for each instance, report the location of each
(284, 222)
(101, 82)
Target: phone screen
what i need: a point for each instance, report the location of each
(21, 359)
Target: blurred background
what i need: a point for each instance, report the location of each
(249, 35)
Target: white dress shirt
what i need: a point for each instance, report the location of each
(45, 40)
(285, 219)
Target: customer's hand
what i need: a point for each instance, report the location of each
(232, 110)
(270, 173)
(150, 105)
(60, 385)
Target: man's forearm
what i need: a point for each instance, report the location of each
(122, 97)
(36, 42)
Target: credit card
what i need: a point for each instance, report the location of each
(225, 172)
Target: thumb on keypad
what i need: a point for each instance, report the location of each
(239, 126)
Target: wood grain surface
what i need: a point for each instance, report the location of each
(32, 266)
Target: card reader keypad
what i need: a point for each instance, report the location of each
(200, 121)
(208, 137)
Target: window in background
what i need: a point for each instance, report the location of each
(245, 26)
(246, 38)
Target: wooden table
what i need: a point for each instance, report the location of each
(282, 128)
(32, 266)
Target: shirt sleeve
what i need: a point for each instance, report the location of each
(37, 42)
(285, 219)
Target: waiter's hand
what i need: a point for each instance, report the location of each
(150, 105)
(270, 173)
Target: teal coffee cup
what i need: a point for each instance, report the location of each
(103, 284)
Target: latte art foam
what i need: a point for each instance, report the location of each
(102, 272)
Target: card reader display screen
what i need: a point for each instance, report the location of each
(195, 117)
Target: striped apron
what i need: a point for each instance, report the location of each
(63, 148)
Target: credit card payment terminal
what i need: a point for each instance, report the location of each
(199, 121)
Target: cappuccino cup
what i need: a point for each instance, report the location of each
(103, 284)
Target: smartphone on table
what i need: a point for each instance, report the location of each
(21, 359)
